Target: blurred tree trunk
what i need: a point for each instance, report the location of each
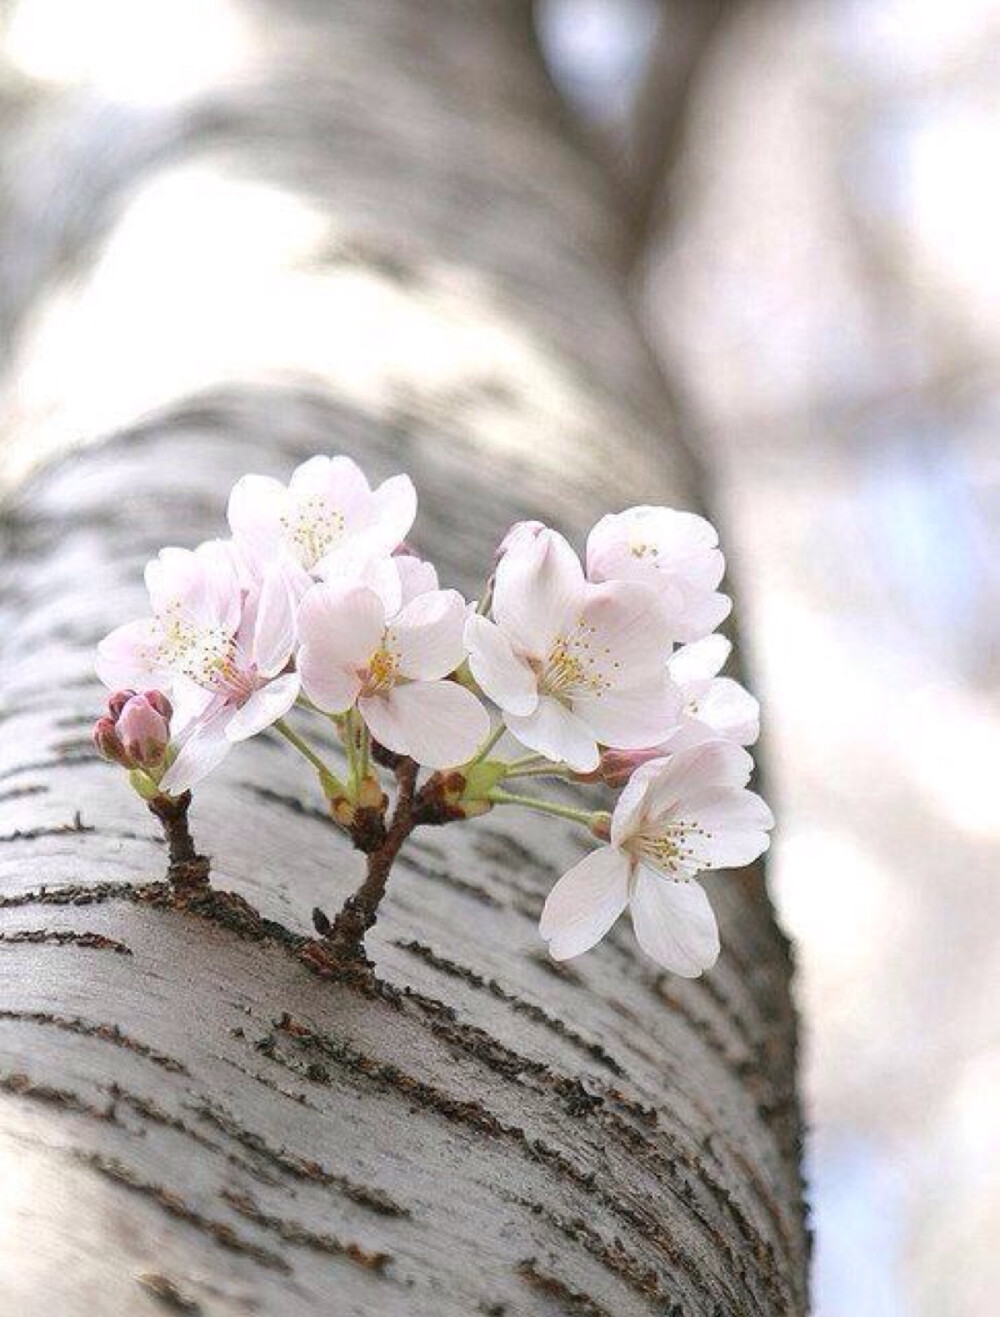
(370, 234)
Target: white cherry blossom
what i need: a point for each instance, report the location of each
(355, 652)
(220, 652)
(713, 705)
(678, 815)
(572, 665)
(326, 516)
(677, 553)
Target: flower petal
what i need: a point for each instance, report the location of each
(733, 826)
(626, 622)
(256, 505)
(553, 731)
(274, 626)
(340, 627)
(438, 723)
(674, 923)
(126, 656)
(539, 587)
(428, 635)
(632, 719)
(507, 679)
(416, 576)
(585, 902)
(203, 751)
(730, 711)
(394, 510)
(700, 661)
(264, 707)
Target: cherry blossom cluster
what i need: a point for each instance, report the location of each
(607, 672)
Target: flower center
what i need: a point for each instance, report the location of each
(575, 666)
(381, 671)
(669, 848)
(640, 548)
(206, 655)
(312, 529)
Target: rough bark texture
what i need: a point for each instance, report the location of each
(192, 1118)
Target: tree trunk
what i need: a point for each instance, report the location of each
(194, 1119)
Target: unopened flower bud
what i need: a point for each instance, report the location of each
(117, 702)
(144, 731)
(617, 766)
(136, 730)
(107, 743)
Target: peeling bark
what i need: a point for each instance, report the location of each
(196, 1116)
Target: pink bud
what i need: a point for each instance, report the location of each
(617, 766)
(144, 731)
(160, 703)
(522, 532)
(117, 702)
(107, 743)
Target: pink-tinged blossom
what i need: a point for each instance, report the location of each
(220, 651)
(327, 518)
(136, 730)
(572, 665)
(393, 668)
(677, 553)
(678, 815)
(713, 705)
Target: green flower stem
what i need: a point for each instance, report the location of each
(364, 751)
(538, 770)
(487, 746)
(327, 776)
(583, 816)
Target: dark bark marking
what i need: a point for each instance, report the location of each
(163, 1288)
(66, 937)
(107, 1033)
(293, 1233)
(174, 1205)
(298, 1168)
(570, 1300)
(518, 1004)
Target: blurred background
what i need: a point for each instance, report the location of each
(819, 269)
(813, 198)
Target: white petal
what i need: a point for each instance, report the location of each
(256, 505)
(355, 563)
(730, 711)
(674, 923)
(126, 657)
(734, 825)
(538, 591)
(428, 635)
(340, 627)
(341, 623)
(672, 781)
(337, 481)
(438, 723)
(626, 820)
(274, 626)
(553, 731)
(585, 902)
(264, 707)
(203, 751)
(632, 719)
(394, 510)
(700, 661)
(700, 618)
(628, 628)
(416, 576)
(507, 679)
